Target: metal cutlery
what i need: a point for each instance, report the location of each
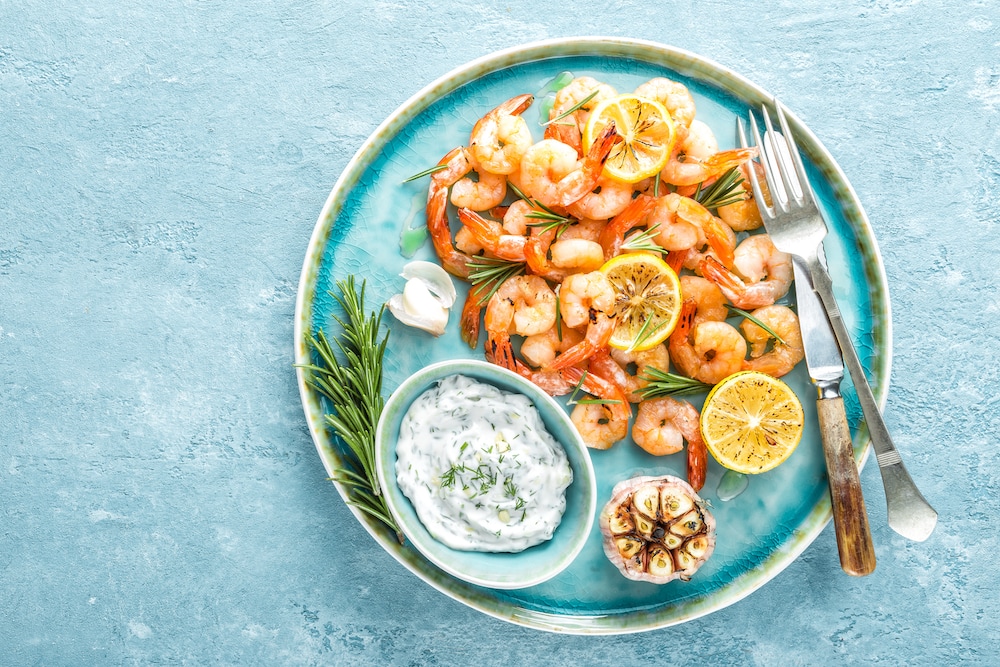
(795, 225)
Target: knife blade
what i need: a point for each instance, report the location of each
(826, 370)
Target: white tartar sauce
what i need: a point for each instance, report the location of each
(480, 469)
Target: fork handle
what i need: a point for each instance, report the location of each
(850, 520)
(909, 514)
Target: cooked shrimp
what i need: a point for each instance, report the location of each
(552, 174)
(540, 350)
(744, 215)
(523, 305)
(569, 130)
(586, 299)
(767, 271)
(456, 164)
(661, 427)
(711, 302)
(482, 194)
(709, 351)
(585, 228)
(599, 424)
(500, 138)
(635, 366)
(700, 142)
(682, 169)
(469, 322)
(606, 200)
(672, 95)
(467, 242)
(515, 218)
(682, 223)
(613, 236)
(490, 234)
(576, 255)
(785, 353)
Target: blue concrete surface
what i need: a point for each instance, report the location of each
(161, 168)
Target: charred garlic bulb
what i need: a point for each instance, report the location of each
(657, 529)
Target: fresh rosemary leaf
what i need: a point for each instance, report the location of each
(573, 109)
(727, 189)
(642, 240)
(770, 332)
(348, 373)
(662, 383)
(487, 274)
(426, 172)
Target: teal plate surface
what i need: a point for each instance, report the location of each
(760, 531)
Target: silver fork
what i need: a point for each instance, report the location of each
(795, 226)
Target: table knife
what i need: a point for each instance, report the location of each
(826, 370)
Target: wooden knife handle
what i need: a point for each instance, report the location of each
(850, 519)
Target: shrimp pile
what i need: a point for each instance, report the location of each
(545, 209)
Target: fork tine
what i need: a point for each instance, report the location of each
(794, 152)
(777, 155)
(758, 193)
(779, 200)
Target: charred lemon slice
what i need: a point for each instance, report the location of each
(751, 422)
(646, 134)
(647, 300)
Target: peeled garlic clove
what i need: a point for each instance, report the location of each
(417, 307)
(426, 297)
(436, 279)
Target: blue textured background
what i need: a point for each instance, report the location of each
(161, 168)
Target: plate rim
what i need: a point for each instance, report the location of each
(681, 61)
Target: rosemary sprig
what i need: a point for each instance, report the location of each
(572, 110)
(645, 333)
(548, 218)
(426, 172)
(353, 385)
(573, 400)
(642, 240)
(727, 189)
(487, 274)
(770, 332)
(662, 383)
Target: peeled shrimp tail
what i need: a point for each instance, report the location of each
(469, 324)
(613, 235)
(598, 334)
(456, 165)
(697, 461)
(489, 234)
(453, 260)
(581, 181)
(499, 350)
(595, 385)
(742, 295)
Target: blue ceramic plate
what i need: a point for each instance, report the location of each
(494, 570)
(760, 531)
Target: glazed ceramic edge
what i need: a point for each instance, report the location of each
(686, 63)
